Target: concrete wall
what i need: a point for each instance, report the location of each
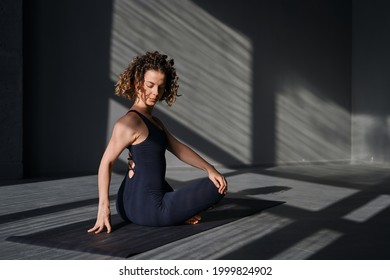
(301, 71)
(371, 83)
(263, 82)
(66, 85)
(11, 97)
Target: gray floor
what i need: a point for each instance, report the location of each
(331, 211)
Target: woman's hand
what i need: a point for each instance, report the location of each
(103, 220)
(219, 180)
(186, 154)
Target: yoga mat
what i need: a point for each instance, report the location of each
(127, 239)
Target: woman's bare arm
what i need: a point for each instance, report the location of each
(187, 155)
(123, 135)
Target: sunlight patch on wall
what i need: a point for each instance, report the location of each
(369, 135)
(309, 128)
(213, 62)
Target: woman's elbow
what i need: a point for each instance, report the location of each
(106, 165)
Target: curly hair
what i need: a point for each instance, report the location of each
(132, 79)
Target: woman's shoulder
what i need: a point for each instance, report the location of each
(130, 120)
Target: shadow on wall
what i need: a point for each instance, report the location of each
(376, 132)
(309, 127)
(301, 72)
(264, 83)
(245, 71)
(213, 61)
(371, 65)
(66, 86)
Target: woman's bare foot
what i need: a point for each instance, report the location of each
(194, 220)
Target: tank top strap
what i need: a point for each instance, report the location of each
(144, 119)
(139, 114)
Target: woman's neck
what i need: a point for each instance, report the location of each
(145, 110)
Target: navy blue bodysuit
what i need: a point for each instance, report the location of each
(147, 199)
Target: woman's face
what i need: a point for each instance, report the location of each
(153, 88)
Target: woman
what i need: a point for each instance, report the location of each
(144, 196)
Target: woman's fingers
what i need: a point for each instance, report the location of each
(223, 187)
(216, 182)
(93, 229)
(96, 228)
(99, 226)
(108, 226)
(221, 183)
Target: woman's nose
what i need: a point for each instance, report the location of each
(155, 91)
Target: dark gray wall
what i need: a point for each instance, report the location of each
(371, 82)
(11, 98)
(66, 85)
(301, 76)
(300, 84)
